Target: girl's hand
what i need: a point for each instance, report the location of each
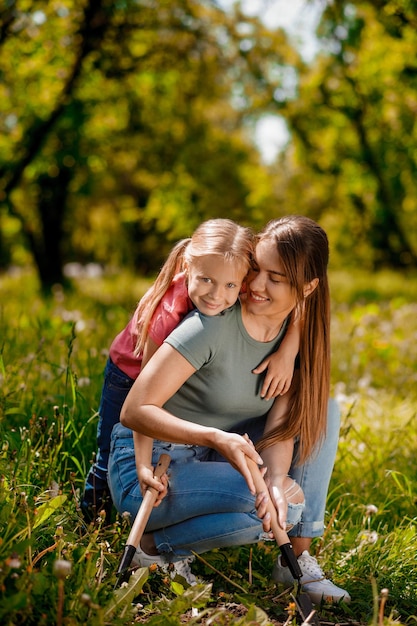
(147, 479)
(278, 377)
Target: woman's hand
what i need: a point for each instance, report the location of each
(147, 479)
(276, 495)
(236, 448)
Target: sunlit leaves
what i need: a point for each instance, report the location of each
(354, 129)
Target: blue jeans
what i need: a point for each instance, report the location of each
(314, 477)
(116, 386)
(208, 504)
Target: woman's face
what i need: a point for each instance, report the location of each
(268, 290)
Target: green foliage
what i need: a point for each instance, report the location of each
(118, 125)
(354, 132)
(55, 570)
(122, 122)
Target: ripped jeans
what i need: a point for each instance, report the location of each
(208, 504)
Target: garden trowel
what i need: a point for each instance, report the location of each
(140, 522)
(302, 600)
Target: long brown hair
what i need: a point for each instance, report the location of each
(221, 237)
(303, 249)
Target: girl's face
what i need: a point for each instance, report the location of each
(213, 283)
(268, 290)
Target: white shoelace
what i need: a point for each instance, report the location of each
(310, 566)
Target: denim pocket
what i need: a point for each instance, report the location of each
(115, 378)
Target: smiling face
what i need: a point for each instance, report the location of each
(269, 292)
(213, 283)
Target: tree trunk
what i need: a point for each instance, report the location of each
(47, 245)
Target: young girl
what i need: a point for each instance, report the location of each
(190, 278)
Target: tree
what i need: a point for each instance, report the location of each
(122, 131)
(33, 125)
(354, 130)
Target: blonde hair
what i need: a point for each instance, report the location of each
(221, 237)
(303, 249)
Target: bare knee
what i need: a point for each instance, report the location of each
(293, 491)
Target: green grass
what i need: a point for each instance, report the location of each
(52, 355)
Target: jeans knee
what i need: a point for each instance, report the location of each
(294, 514)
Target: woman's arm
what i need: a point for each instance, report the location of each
(142, 411)
(277, 461)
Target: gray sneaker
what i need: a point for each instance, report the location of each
(313, 580)
(174, 568)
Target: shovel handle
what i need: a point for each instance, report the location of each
(140, 522)
(280, 534)
(148, 501)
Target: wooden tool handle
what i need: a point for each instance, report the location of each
(260, 485)
(280, 534)
(140, 522)
(148, 501)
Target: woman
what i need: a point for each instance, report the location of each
(199, 392)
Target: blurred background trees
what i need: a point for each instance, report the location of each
(126, 123)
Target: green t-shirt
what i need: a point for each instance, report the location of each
(223, 391)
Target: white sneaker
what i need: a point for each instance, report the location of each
(313, 580)
(180, 568)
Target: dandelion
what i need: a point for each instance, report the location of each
(88, 601)
(85, 599)
(84, 381)
(62, 569)
(13, 561)
(54, 489)
(371, 509)
(80, 325)
(292, 610)
(367, 537)
(384, 596)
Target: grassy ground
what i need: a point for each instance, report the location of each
(51, 362)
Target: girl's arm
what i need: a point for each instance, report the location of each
(143, 457)
(142, 411)
(143, 444)
(280, 364)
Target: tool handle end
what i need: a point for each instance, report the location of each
(123, 572)
(291, 560)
